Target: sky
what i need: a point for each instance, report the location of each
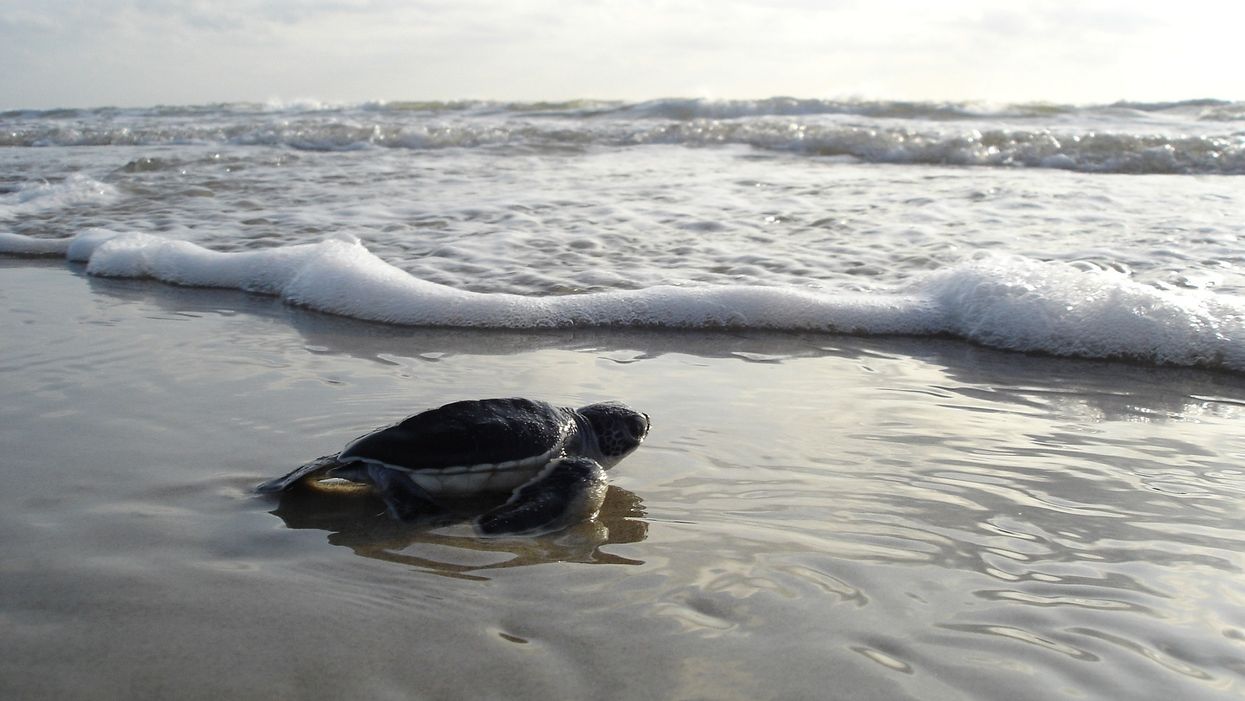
(93, 53)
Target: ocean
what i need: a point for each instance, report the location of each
(946, 397)
(1097, 232)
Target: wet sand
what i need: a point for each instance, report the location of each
(812, 517)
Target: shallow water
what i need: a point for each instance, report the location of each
(812, 516)
(493, 220)
(597, 196)
(1108, 231)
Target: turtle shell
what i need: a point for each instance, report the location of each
(474, 435)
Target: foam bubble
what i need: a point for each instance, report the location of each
(1006, 302)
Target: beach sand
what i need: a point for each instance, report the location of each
(812, 516)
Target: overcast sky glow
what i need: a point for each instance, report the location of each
(82, 53)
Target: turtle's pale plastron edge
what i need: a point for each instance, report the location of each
(552, 461)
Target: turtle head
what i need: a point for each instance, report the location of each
(618, 428)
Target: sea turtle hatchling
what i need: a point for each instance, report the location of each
(551, 459)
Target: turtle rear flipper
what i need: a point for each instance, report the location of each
(569, 490)
(312, 470)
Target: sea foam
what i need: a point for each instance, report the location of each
(1194, 137)
(1007, 302)
(35, 197)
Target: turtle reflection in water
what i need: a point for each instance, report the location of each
(552, 461)
(353, 517)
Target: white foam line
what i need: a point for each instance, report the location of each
(1005, 302)
(16, 244)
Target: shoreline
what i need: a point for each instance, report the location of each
(678, 336)
(808, 510)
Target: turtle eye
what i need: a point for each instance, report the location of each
(638, 427)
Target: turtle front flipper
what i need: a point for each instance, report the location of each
(315, 469)
(567, 491)
(406, 500)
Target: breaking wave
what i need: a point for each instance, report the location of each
(1007, 302)
(1191, 137)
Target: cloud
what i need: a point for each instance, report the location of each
(75, 52)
